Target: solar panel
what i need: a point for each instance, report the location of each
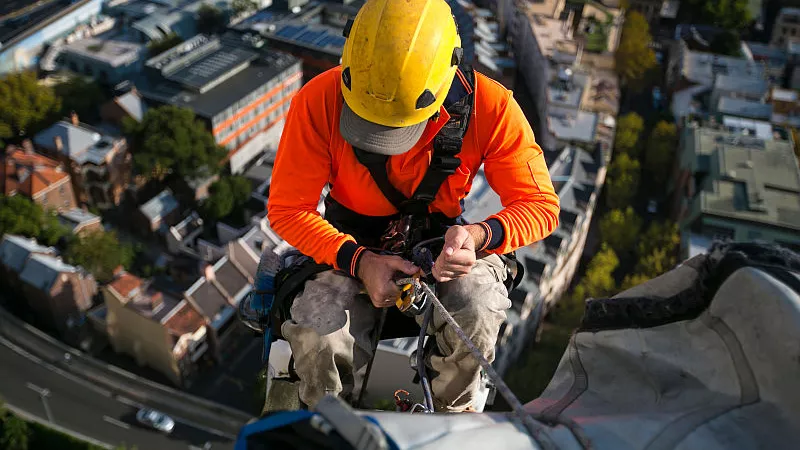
(289, 31)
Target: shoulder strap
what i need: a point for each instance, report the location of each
(446, 147)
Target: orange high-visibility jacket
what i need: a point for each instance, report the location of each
(312, 153)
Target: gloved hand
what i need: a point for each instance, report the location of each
(458, 254)
(377, 272)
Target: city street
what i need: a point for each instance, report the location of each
(79, 406)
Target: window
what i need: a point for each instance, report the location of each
(62, 189)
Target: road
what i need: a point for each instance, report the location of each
(82, 407)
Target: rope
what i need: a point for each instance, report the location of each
(536, 429)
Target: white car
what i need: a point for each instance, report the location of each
(156, 420)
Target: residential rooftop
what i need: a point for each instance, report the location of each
(15, 250)
(81, 143)
(140, 296)
(77, 218)
(748, 179)
(566, 88)
(555, 39)
(133, 103)
(28, 173)
(750, 86)
(744, 108)
(42, 271)
(160, 205)
(572, 125)
(703, 68)
(111, 52)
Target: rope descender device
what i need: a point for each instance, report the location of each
(413, 299)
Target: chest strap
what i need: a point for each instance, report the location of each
(446, 148)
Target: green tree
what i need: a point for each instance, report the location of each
(620, 229)
(99, 252)
(629, 128)
(660, 152)
(598, 281)
(15, 434)
(171, 140)
(622, 181)
(632, 280)
(242, 6)
(158, 47)
(726, 43)
(634, 57)
(18, 215)
(227, 195)
(52, 229)
(656, 263)
(210, 20)
(82, 97)
(659, 235)
(729, 14)
(25, 106)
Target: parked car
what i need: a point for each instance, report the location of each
(652, 206)
(156, 420)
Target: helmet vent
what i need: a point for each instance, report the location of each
(425, 99)
(347, 27)
(458, 55)
(346, 79)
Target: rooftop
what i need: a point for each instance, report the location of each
(750, 86)
(566, 88)
(216, 293)
(183, 320)
(572, 125)
(15, 250)
(748, 180)
(159, 206)
(27, 173)
(703, 68)
(81, 143)
(111, 52)
(132, 103)
(318, 37)
(209, 76)
(77, 218)
(42, 271)
(784, 95)
(554, 38)
(744, 108)
(140, 296)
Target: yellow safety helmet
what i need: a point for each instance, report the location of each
(398, 62)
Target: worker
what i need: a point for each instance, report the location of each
(401, 97)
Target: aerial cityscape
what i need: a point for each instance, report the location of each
(138, 140)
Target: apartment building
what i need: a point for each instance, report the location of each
(37, 177)
(241, 93)
(98, 162)
(159, 331)
(730, 185)
(787, 27)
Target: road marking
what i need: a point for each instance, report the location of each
(37, 389)
(17, 349)
(116, 422)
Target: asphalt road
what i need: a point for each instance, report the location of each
(80, 406)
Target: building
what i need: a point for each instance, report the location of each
(785, 107)
(98, 163)
(28, 26)
(154, 20)
(787, 27)
(550, 264)
(107, 60)
(655, 10)
(774, 59)
(159, 213)
(311, 31)
(216, 295)
(692, 75)
(159, 331)
(241, 93)
(79, 221)
(735, 186)
(37, 177)
(129, 105)
(57, 293)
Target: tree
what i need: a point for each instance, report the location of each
(727, 43)
(170, 140)
(622, 182)
(634, 57)
(227, 195)
(160, 46)
(99, 252)
(660, 152)
(18, 215)
(243, 6)
(82, 97)
(598, 281)
(15, 434)
(620, 229)
(25, 106)
(659, 235)
(729, 14)
(632, 280)
(52, 229)
(210, 20)
(629, 128)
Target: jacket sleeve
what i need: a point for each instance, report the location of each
(515, 168)
(301, 170)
